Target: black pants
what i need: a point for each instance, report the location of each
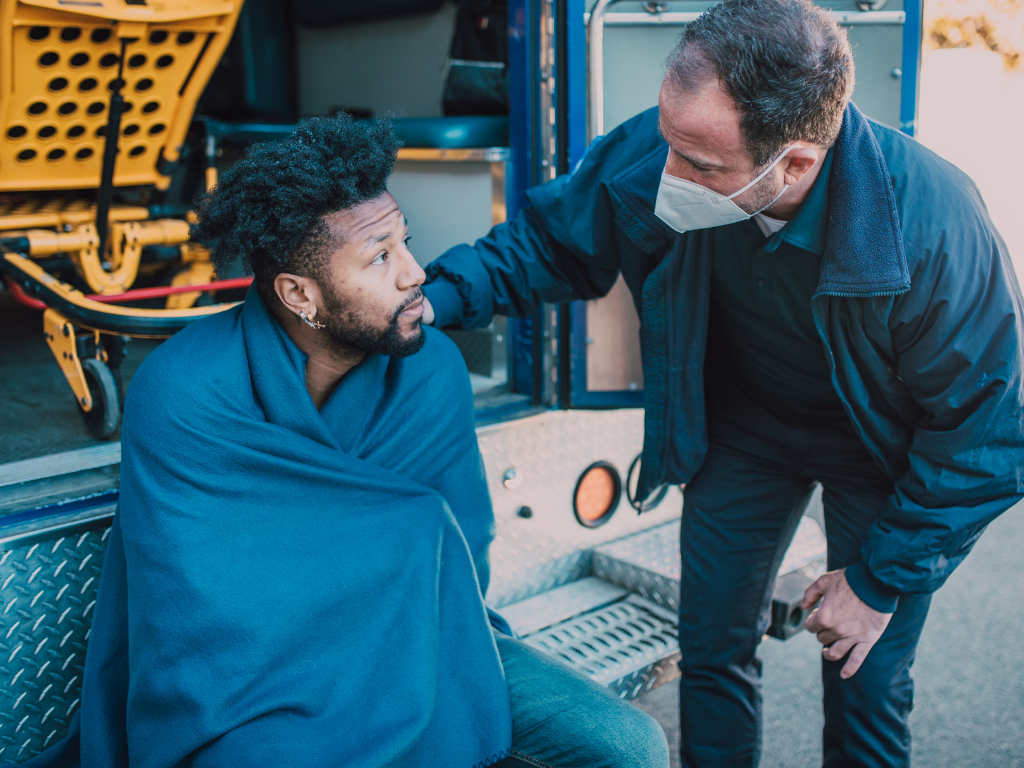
(740, 513)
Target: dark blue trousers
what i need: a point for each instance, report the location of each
(739, 516)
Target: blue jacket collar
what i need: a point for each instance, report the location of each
(863, 245)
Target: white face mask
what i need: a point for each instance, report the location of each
(685, 205)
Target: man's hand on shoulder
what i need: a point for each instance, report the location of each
(428, 312)
(843, 622)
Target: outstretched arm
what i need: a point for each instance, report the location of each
(560, 248)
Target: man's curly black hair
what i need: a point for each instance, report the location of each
(268, 209)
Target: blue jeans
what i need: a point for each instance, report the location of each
(740, 513)
(561, 719)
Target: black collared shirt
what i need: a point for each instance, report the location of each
(762, 333)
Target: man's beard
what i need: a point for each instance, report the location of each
(764, 193)
(352, 331)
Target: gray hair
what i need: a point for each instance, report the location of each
(786, 63)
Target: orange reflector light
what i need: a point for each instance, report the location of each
(597, 494)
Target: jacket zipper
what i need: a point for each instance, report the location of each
(869, 444)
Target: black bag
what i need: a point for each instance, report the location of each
(477, 78)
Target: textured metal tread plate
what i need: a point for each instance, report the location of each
(47, 594)
(560, 604)
(616, 646)
(649, 564)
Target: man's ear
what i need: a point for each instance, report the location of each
(798, 161)
(297, 294)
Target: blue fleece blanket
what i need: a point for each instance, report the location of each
(287, 587)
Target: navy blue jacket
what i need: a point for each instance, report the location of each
(917, 306)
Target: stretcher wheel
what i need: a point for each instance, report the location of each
(104, 417)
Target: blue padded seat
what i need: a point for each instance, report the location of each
(415, 132)
(464, 132)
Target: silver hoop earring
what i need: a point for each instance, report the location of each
(315, 325)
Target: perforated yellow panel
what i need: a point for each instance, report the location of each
(56, 67)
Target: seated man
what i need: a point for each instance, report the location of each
(295, 574)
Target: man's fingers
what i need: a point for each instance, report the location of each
(828, 636)
(813, 622)
(838, 649)
(813, 594)
(857, 656)
(428, 312)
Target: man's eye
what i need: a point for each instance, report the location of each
(382, 259)
(406, 241)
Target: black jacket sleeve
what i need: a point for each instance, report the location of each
(560, 248)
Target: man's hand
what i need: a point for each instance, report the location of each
(843, 621)
(428, 312)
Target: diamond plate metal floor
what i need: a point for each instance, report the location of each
(47, 594)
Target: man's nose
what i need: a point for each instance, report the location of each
(412, 273)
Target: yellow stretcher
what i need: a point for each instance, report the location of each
(97, 96)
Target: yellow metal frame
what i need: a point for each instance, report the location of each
(56, 61)
(60, 335)
(59, 60)
(61, 293)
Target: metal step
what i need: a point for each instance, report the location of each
(59, 478)
(630, 646)
(649, 563)
(619, 625)
(561, 604)
(616, 638)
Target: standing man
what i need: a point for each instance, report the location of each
(821, 299)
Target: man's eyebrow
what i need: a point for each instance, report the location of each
(699, 162)
(372, 241)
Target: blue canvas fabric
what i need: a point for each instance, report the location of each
(917, 306)
(290, 587)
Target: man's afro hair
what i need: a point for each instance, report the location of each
(268, 209)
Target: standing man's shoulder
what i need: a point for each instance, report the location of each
(955, 254)
(622, 148)
(606, 158)
(934, 198)
(578, 209)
